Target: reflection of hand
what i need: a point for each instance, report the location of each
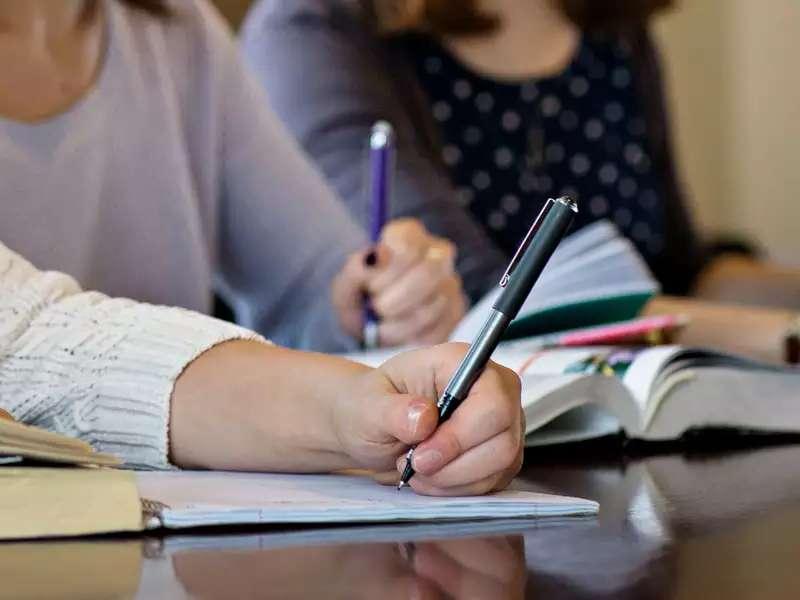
(484, 568)
(413, 287)
(479, 568)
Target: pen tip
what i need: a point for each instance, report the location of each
(401, 485)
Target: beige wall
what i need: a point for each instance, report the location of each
(736, 102)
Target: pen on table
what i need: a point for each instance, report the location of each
(523, 271)
(381, 158)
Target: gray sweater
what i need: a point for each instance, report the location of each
(171, 178)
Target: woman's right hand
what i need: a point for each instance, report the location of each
(412, 284)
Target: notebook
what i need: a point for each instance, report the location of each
(178, 500)
(39, 500)
(596, 276)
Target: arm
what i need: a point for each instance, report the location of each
(329, 82)
(95, 367)
(757, 333)
(283, 234)
(291, 259)
(684, 253)
(156, 385)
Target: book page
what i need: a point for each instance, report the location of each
(196, 498)
(595, 262)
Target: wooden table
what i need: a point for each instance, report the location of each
(724, 526)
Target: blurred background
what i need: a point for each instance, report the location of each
(735, 96)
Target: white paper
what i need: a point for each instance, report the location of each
(196, 498)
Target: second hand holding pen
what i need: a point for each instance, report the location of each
(523, 271)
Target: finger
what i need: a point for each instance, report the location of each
(496, 558)
(448, 321)
(409, 329)
(407, 418)
(421, 485)
(352, 279)
(406, 236)
(497, 455)
(386, 477)
(414, 287)
(490, 409)
(405, 241)
(454, 578)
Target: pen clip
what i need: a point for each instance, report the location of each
(525, 243)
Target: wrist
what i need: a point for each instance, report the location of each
(344, 412)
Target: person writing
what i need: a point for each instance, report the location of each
(162, 386)
(498, 105)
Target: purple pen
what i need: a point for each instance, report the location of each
(381, 158)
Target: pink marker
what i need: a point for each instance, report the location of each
(618, 333)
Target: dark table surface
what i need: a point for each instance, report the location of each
(670, 526)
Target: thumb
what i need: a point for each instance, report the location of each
(407, 418)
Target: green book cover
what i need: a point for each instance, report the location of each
(577, 315)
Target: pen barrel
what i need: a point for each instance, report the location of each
(554, 222)
(472, 364)
(381, 167)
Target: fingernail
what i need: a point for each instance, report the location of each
(427, 461)
(415, 411)
(371, 259)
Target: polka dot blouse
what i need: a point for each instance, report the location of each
(511, 145)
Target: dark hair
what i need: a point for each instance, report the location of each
(157, 8)
(463, 17)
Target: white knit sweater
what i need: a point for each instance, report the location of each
(98, 368)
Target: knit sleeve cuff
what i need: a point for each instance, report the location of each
(110, 384)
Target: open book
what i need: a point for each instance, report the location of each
(596, 276)
(656, 393)
(649, 393)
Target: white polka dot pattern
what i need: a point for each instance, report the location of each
(580, 133)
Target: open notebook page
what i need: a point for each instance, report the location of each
(196, 498)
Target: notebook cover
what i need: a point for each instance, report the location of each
(576, 315)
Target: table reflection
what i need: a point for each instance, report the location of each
(480, 568)
(669, 527)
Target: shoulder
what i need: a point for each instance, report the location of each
(193, 31)
(326, 14)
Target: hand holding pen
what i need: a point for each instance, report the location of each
(405, 289)
(523, 271)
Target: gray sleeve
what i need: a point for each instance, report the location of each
(329, 85)
(283, 234)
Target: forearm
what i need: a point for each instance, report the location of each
(754, 332)
(732, 278)
(249, 406)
